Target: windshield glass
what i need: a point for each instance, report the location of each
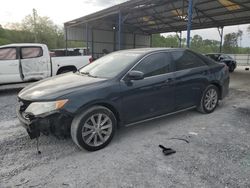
(110, 65)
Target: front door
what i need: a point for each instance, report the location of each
(153, 95)
(9, 66)
(35, 63)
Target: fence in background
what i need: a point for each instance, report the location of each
(241, 59)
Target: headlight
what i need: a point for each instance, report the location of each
(37, 108)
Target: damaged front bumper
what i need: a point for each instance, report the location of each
(56, 122)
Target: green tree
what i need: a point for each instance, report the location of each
(43, 30)
(35, 28)
(231, 42)
(196, 43)
(170, 41)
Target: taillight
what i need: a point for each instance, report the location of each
(91, 59)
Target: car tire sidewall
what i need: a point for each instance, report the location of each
(203, 99)
(77, 125)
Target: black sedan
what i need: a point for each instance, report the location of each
(224, 58)
(122, 88)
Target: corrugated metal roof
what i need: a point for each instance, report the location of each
(158, 16)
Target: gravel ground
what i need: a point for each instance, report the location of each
(217, 155)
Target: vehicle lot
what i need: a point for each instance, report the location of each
(217, 155)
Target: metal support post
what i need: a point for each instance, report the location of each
(119, 30)
(92, 42)
(66, 41)
(220, 30)
(189, 26)
(151, 40)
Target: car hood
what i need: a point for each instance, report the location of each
(55, 87)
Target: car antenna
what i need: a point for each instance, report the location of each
(37, 146)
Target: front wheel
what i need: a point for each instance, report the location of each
(209, 100)
(94, 128)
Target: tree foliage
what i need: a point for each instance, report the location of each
(38, 29)
(231, 42)
(201, 45)
(41, 30)
(170, 41)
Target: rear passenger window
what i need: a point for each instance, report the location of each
(31, 52)
(186, 60)
(155, 64)
(7, 53)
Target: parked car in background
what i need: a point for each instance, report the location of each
(27, 62)
(121, 88)
(224, 58)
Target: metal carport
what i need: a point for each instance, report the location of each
(131, 24)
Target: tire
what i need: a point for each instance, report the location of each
(94, 128)
(209, 100)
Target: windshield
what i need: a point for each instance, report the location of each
(110, 65)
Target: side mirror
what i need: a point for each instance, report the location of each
(135, 75)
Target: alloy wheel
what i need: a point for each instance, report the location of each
(97, 129)
(211, 99)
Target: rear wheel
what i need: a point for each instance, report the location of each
(94, 128)
(209, 100)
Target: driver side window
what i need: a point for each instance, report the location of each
(155, 64)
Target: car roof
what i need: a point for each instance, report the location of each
(148, 50)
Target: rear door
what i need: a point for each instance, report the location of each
(191, 77)
(9, 65)
(35, 63)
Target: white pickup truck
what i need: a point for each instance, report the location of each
(27, 62)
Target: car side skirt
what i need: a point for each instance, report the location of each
(161, 116)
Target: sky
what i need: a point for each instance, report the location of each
(61, 11)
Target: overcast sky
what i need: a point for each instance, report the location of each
(61, 11)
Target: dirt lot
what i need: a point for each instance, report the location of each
(217, 155)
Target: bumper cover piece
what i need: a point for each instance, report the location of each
(57, 123)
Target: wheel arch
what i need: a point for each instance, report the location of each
(107, 105)
(70, 68)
